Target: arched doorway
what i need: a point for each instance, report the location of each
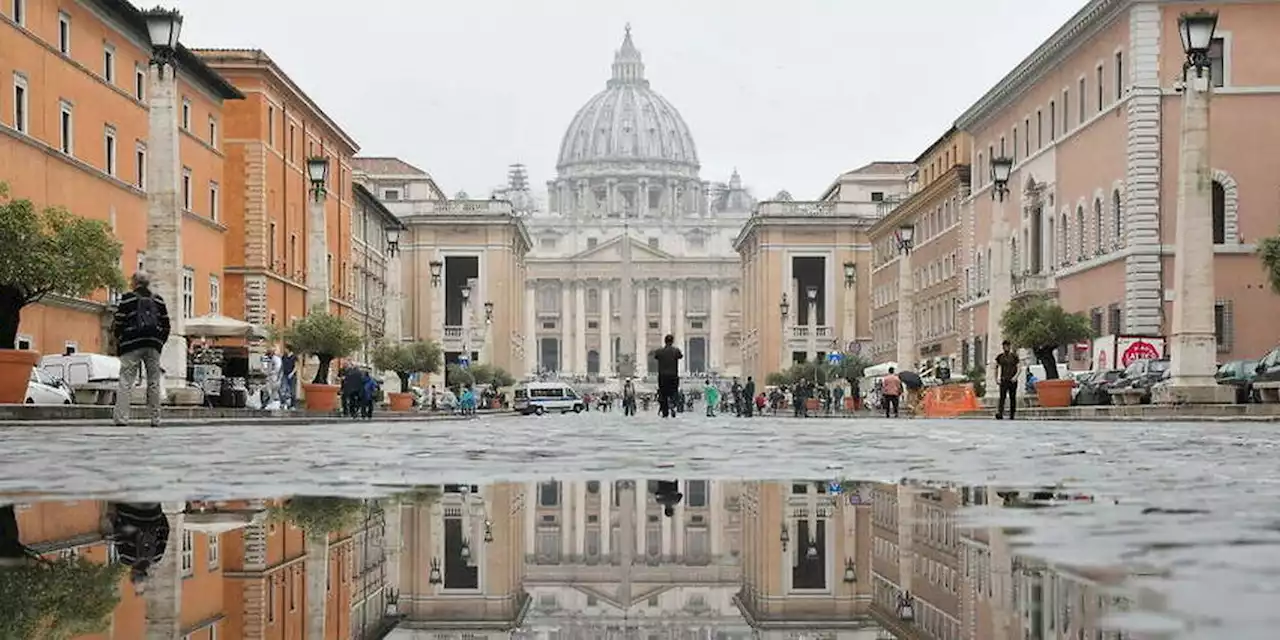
(593, 362)
(697, 355)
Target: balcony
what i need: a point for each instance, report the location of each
(640, 572)
(454, 338)
(796, 209)
(1033, 283)
(450, 208)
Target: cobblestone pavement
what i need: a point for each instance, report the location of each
(1199, 499)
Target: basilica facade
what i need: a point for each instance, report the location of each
(634, 244)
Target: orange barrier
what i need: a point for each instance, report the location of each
(950, 400)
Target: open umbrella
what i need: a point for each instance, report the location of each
(911, 380)
(217, 326)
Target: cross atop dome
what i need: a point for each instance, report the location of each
(628, 68)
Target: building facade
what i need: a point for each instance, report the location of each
(929, 277)
(1091, 120)
(74, 126)
(805, 268)
(375, 261)
(628, 192)
(462, 266)
(270, 136)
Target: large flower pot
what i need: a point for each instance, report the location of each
(401, 401)
(320, 398)
(1054, 393)
(15, 374)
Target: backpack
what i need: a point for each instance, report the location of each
(146, 320)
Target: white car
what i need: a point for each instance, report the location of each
(45, 389)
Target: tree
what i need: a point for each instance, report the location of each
(1038, 323)
(50, 251)
(456, 375)
(320, 516)
(778, 379)
(851, 368)
(491, 375)
(407, 359)
(326, 337)
(1269, 252)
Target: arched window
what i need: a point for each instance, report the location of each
(1013, 255)
(1098, 225)
(547, 299)
(986, 281)
(735, 300)
(1117, 217)
(1080, 232)
(698, 299)
(1063, 234)
(1053, 244)
(593, 300)
(653, 302)
(1219, 213)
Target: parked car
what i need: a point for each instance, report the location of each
(1142, 375)
(1092, 389)
(43, 388)
(1239, 374)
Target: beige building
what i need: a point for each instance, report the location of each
(1091, 120)
(375, 270)
(462, 266)
(926, 280)
(805, 266)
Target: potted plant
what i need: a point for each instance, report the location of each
(326, 337)
(1036, 322)
(406, 360)
(42, 252)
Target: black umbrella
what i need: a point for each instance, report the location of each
(911, 380)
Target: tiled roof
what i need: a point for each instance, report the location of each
(386, 167)
(880, 168)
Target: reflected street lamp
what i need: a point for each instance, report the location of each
(785, 537)
(466, 294)
(488, 312)
(785, 306)
(488, 531)
(436, 268)
(435, 576)
(906, 610)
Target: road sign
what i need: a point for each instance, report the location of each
(834, 358)
(833, 487)
(464, 361)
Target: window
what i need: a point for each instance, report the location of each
(213, 132)
(1015, 143)
(271, 600)
(25, 343)
(64, 33)
(20, 106)
(1026, 137)
(1120, 79)
(549, 494)
(1066, 111)
(1053, 121)
(1098, 225)
(592, 242)
(1118, 217)
(1039, 129)
(109, 63)
(140, 159)
(1080, 232)
(1114, 318)
(877, 196)
(391, 194)
(188, 554)
(1083, 91)
(70, 347)
(139, 83)
(271, 247)
(289, 151)
(142, 261)
(187, 196)
(66, 128)
(1224, 325)
(186, 114)
(215, 295)
(109, 150)
(1217, 62)
(1101, 96)
(1219, 213)
(271, 127)
(213, 201)
(20, 12)
(214, 552)
(188, 292)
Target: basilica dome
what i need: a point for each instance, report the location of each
(628, 123)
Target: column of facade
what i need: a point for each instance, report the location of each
(567, 520)
(683, 487)
(641, 327)
(606, 330)
(530, 518)
(673, 206)
(642, 207)
(164, 592)
(579, 518)
(641, 518)
(716, 350)
(666, 537)
(906, 314)
(580, 326)
(566, 328)
(715, 519)
(531, 328)
(681, 320)
(606, 517)
(664, 321)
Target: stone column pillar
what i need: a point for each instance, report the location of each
(681, 320)
(437, 297)
(784, 336)
(906, 314)
(672, 205)
(566, 328)
(611, 197)
(906, 514)
(664, 322)
(642, 516)
(579, 518)
(666, 538)
(606, 517)
(715, 524)
(997, 298)
(163, 593)
(642, 205)
(1193, 347)
(317, 577)
(531, 518)
(567, 517)
(164, 215)
(393, 323)
(580, 326)
(531, 352)
(317, 254)
(606, 330)
(642, 330)
(715, 350)
(849, 332)
(679, 518)
(393, 539)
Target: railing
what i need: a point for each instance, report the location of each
(820, 332)
(450, 207)
(1029, 283)
(796, 209)
(640, 572)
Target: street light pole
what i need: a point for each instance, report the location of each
(317, 237)
(164, 203)
(1193, 344)
(811, 300)
(466, 321)
(1001, 276)
(784, 336)
(905, 235)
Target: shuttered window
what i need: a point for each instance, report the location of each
(1224, 325)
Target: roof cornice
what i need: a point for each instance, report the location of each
(954, 177)
(363, 194)
(1079, 29)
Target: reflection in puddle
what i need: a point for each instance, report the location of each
(559, 561)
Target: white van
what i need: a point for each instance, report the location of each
(542, 397)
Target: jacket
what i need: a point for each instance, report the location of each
(130, 337)
(142, 533)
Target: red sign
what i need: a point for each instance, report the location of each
(1139, 350)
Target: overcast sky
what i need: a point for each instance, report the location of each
(790, 93)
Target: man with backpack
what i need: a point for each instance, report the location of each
(140, 533)
(140, 327)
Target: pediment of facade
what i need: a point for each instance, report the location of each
(611, 252)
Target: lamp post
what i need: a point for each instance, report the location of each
(784, 337)
(487, 346)
(849, 332)
(811, 301)
(164, 203)
(1001, 278)
(1193, 347)
(905, 236)
(394, 306)
(850, 571)
(317, 237)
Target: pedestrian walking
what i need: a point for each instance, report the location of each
(891, 390)
(140, 327)
(668, 359)
(629, 398)
(712, 396)
(748, 396)
(352, 391)
(1007, 366)
(288, 379)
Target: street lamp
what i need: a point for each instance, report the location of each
(435, 576)
(465, 551)
(850, 275)
(1000, 169)
(488, 531)
(1197, 37)
(905, 234)
(163, 27)
(785, 307)
(850, 571)
(784, 537)
(436, 268)
(906, 610)
(488, 312)
(318, 173)
(393, 240)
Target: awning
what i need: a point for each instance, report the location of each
(217, 326)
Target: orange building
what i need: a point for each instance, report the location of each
(73, 133)
(269, 136)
